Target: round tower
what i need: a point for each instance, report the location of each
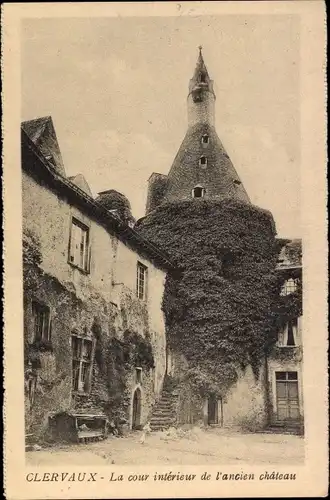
(201, 97)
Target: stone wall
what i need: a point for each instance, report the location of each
(201, 110)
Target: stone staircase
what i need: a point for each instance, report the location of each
(163, 413)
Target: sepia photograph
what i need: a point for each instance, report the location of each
(162, 246)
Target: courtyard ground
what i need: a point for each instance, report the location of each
(191, 447)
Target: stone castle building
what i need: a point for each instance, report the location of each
(89, 278)
(96, 342)
(202, 170)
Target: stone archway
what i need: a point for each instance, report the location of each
(136, 409)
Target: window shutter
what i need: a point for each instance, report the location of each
(88, 258)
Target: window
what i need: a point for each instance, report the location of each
(237, 182)
(141, 281)
(79, 245)
(205, 139)
(198, 192)
(203, 161)
(202, 78)
(288, 335)
(81, 363)
(41, 321)
(290, 286)
(138, 375)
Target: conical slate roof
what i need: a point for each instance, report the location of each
(202, 167)
(201, 75)
(203, 164)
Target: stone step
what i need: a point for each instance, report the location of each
(159, 427)
(164, 407)
(162, 413)
(161, 419)
(166, 402)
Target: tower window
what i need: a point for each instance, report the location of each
(202, 78)
(198, 192)
(205, 139)
(138, 375)
(203, 161)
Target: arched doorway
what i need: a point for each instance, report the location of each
(136, 410)
(212, 410)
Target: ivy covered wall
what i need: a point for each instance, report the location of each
(221, 308)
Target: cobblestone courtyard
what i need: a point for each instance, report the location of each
(191, 447)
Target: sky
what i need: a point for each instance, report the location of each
(116, 89)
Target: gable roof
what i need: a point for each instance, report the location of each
(36, 165)
(42, 133)
(80, 181)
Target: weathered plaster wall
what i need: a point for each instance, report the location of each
(285, 359)
(147, 316)
(49, 218)
(245, 404)
(76, 299)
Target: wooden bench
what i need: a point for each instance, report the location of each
(77, 427)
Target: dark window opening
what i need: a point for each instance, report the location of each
(291, 340)
(237, 182)
(41, 319)
(138, 375)
(198, 192)
(205, 139)
(228, 263)
(286, 375)
(202, 78)
(203, 161)
(197, 96)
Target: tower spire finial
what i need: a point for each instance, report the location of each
(200, 47)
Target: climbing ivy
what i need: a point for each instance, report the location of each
(116, 358)
(221, 307)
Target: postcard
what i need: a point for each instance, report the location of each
(165, 250)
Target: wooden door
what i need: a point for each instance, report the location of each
(136, 418)
(212, 410)
(287, 396)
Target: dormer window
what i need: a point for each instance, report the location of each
(198, 192)
(203, 162)
(205, 139)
